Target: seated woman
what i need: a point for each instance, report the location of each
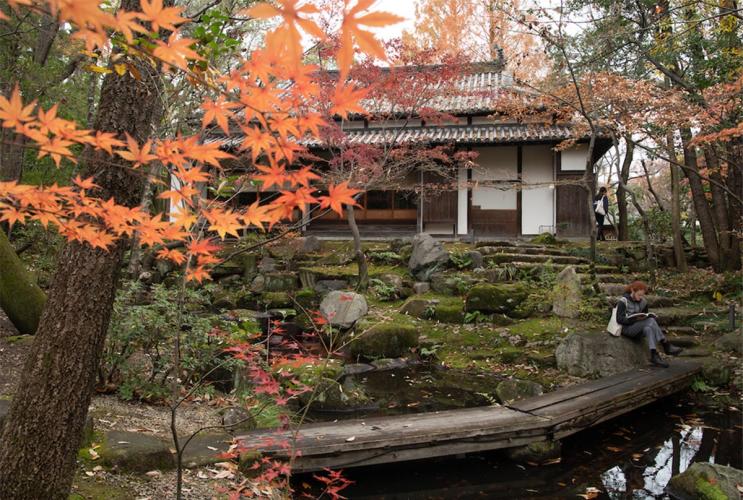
(632, 314)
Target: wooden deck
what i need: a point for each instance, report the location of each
(554, 415)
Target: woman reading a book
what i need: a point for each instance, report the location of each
(636, 321)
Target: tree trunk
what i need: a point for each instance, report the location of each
(589, 184)
(45, 422)
(699, 198)
(623, 229)
(678, 243)
(20, 298)
(358, 250)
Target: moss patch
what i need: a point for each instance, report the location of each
(97, 488)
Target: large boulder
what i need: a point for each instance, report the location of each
(732, 342)
(502, 298)
(343, 309)
(385, 340)
(567, 294)
(707, 481)
(427, 254)
(596, 355)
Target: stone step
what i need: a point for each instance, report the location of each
(684, 341)
(681, 315)
(506, 258)
(580, 268)
(523, 250)
(615, 289)
(696, 352)
(654, 301)
(681, 330)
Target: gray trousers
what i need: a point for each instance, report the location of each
(648, 328)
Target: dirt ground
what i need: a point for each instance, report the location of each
(111, 413)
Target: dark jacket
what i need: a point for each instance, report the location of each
(631, 307)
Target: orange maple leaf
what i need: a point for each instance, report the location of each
(346, 100)
(12, 112)
(197, 274)
(126, 24)
(202, 247)
(218, 111)
(255, 215)
(176, 51)
(138, 156)
(303, 176)
(175, 256)
(159, 16)
(274, 176)
(350, 32)
(338, 196)
(224, 222)
(85, 183)
(286, 39)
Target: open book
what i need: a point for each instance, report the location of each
(641, 316)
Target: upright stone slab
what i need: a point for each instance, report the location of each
(427, 254)
(567, 294)
(599, 354)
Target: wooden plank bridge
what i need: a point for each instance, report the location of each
(555, 415)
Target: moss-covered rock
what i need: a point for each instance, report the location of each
(704, 481)
(418, 307)
(449, 312)
(385, 340)
(280, 282)
(275, 300)
(496, 298)
(715, 372)
(20, 296)
(134, 452)
(307, 298)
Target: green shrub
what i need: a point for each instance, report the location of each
(145, 322)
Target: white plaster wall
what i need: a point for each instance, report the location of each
(574, 158)
(494, 164)
(537, 203)
(462, 193)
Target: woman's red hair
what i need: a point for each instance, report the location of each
(635, 286)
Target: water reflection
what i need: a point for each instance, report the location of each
(674, 456)
(631, 457)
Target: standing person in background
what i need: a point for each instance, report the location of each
(600, 209)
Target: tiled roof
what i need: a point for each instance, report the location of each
(467, 134)
(474, 92)
(498, 133)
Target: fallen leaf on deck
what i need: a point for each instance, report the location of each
(352, 438)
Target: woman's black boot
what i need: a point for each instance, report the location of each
(671, 349)
(656, 360)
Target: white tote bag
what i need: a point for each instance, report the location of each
(613, 327)
(600, 207)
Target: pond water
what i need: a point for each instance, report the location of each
(630, 457)
(418, 388)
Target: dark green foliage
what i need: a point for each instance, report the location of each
(137, 356)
